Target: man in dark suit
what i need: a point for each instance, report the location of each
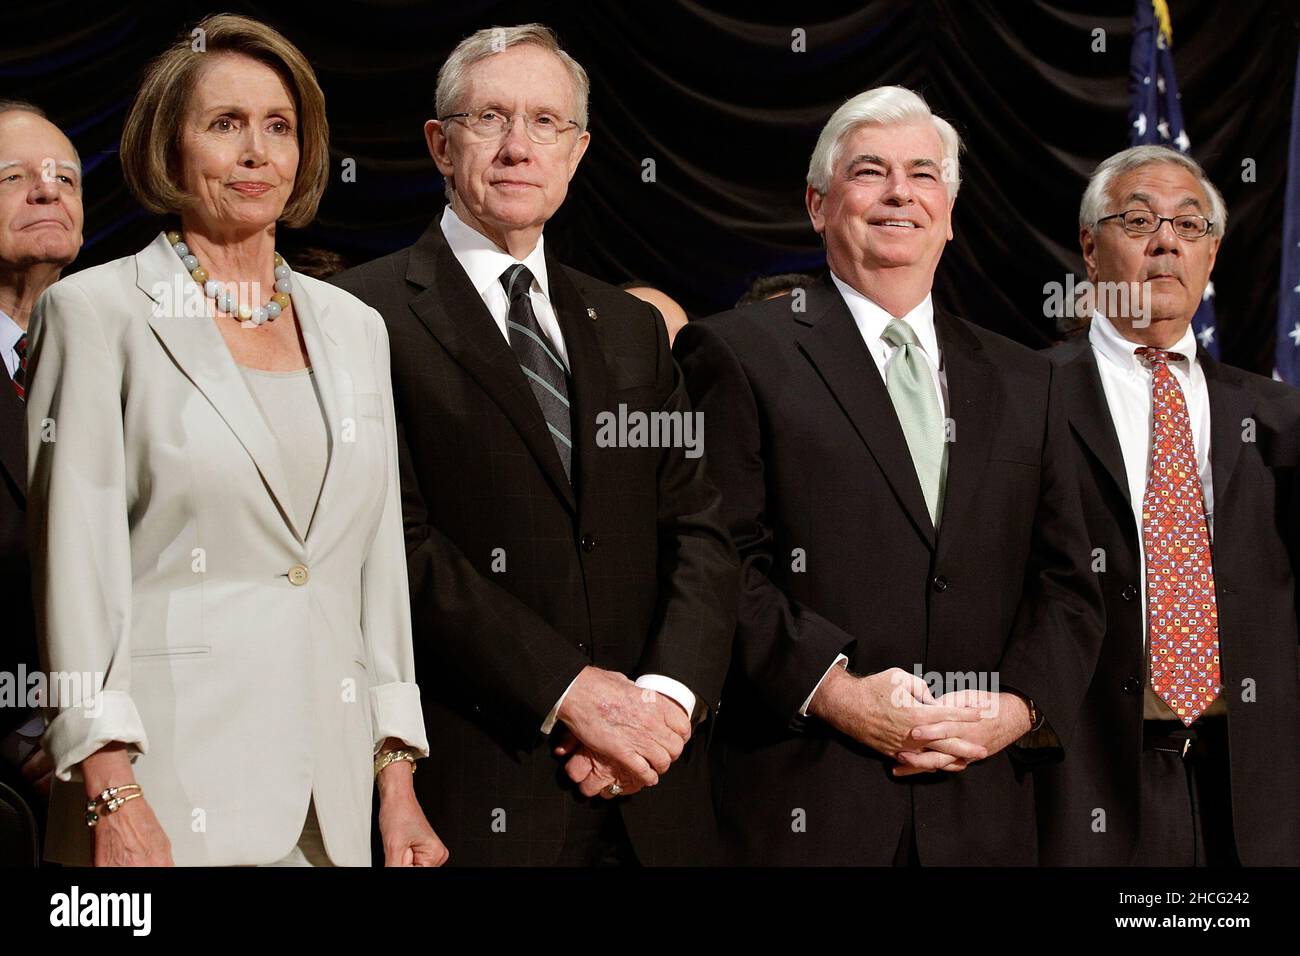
(40, 233)
(568, 579)
(1188, 742)
(896, 480)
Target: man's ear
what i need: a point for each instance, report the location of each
(952, 204)
(814, 201)
(435, 137)
(1088, 245)
(579, 150)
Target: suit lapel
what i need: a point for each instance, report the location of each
(337, 392)
(452, 310)
(974, 404)
(197, 348)
(1230, 405)
(1089, 413)
(834, 345)
(587, 379)
(13, 437)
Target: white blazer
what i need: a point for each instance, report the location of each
(249, 667)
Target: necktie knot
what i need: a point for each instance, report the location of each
(1154, 357)
(20, 347)
(516, 280)
(898, 333)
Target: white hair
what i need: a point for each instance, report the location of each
(492, 40)
(884, 105)
(1097, 197)
(22, 106)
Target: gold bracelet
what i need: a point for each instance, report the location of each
(388, 757)
(111, 800)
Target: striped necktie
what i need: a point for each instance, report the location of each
(20, 373)
(547, 375)
(1182, 612)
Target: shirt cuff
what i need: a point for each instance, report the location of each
(549, 723)
(840, 661)
(672, 689)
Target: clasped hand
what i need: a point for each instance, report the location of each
(618, 733)
(895, 713)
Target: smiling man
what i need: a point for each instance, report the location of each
(915, 598)
(573, 603)
(1189, 738)
(40, 233)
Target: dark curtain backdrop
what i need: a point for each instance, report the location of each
(715, 95)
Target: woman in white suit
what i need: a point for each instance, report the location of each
(216, 520)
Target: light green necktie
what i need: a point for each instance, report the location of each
(911, 389)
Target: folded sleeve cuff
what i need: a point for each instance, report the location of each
(77, 732)
(395, 712)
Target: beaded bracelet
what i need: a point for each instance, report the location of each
(111, 800)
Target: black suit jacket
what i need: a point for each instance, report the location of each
(805, 445)
(519, 579)
(18, 643)
(1254, 442)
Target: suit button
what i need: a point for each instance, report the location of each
(1131, 685)
(588, 543)
(940, 583)
(1129, 593)
(298, 575)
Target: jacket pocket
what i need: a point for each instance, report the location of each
(171, 653)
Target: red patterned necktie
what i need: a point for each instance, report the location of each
(1183, 617)
(20, 373)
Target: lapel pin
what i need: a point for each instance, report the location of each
(591, 314)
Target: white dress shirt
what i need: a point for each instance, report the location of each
(10, 333)
(1126, 382)
(484, 262)
(871, 321)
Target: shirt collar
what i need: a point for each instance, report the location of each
(1106, 339)
(871, 319)
(481, 258)
(10, 332)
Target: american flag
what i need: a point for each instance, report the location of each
(1287, 361)
(1156, 118)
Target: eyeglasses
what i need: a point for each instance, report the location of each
(1139, 222)
(491, 123)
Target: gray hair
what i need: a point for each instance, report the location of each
(23, 106)
(1097, 196)
(884, 105)
(490, 40)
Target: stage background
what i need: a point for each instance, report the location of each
(716, 96)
